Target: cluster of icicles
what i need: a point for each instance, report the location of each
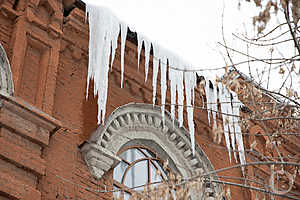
(104, 31)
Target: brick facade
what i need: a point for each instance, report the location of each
(48, 118)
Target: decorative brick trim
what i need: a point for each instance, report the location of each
(22, 158)
(16, 189)
(26, 120)
(142, 122)
(23, 134)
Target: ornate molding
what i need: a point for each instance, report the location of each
(6, 83)
(132, 124)
(25, 132)
(53, 23)
(7, 10)
(99, 159)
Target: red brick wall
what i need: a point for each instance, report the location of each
(65, 171)
(50, 73)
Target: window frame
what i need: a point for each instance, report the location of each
(121, 185)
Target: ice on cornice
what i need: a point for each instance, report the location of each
(105, 29)
(231, 122)
(211, 99)
(236, 104)
(190, 83)
(224, 110)
(176, 81)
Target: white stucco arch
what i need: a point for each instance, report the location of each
(6, 83)
(133, 124)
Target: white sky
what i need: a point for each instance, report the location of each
(192, 28)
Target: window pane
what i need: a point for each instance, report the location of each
(154, 175)
(137, 175)
(148, 153)
(158, 166)
(116, 194)
(119, 193)
(119, 171)
(126, 196)
(131, 155)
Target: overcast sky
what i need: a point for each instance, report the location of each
(192, 28)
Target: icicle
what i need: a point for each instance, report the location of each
(238, 132)
(173, 88)
(147, 45)
(209, 98)
(163, 85)
(214, 106)
(231, 126)
(224, 110)
(180, 93)
(177, 87)
(91, 47)
(140, 45)
(104, 31)
(124, 29)
(193, 91)
(88, 9)
(172, 78)
(114, 43)
(155, 70)
(190, 83)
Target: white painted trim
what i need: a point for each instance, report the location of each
(6, 82)
(142, 124)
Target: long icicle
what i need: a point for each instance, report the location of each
(214, 105)
(124, 29)
(155, 71)
(208, 93)
(101, 37)
(104, 32)
(163, 85)
(224, 110)
(139, 49)
(114, 43)
(238, 132)
(231, 126)
(180, 99)
(190, 83)
(147, 45)
(172, 78)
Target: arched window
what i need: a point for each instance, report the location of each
(6, 83)
(133, 140)
(140, 167)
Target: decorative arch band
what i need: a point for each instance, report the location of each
(143, 124)
(6, 83)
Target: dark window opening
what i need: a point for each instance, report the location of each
(16, 3)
